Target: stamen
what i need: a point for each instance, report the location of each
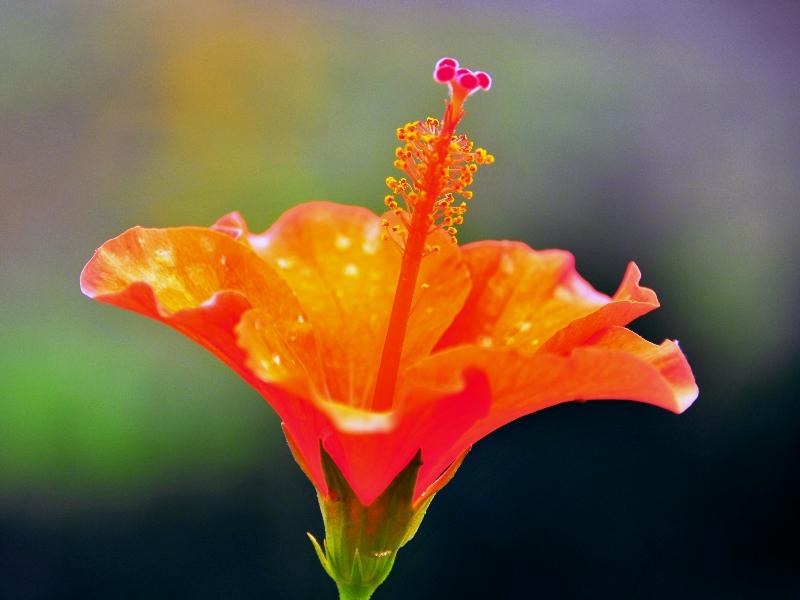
(421, 154)
(439, 165)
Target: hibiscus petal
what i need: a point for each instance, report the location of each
(531, 300)
(200, 282)
(371, 448)
(630, 302)
(344, 276)
(371, 460)
(614, 364)
(520, 297)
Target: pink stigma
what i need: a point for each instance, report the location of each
(462, 82)
(444, 74)
(483, 80)
(468, 81)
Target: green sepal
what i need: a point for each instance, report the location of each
(361, 542)
(320, 553)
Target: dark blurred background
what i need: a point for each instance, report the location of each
(132, 464)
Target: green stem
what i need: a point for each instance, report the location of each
(348, 592)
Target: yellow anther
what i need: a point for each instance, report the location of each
(430, 171)
(384, 223)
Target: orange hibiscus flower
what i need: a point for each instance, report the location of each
(387, 349)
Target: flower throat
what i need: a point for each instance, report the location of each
(439, 165)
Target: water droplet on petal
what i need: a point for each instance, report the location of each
(563, 293)
(351, 270)
(370, 246)
(342, 242)
(507, 265)
(164, 257)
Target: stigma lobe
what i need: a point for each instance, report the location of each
(462, 81)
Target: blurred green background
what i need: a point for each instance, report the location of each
(132, 464)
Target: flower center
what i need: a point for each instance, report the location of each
(439, 165)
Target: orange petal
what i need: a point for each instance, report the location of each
(198, 281)
(371, 460)
(630, 302)
(520, 297)
(371, 449)
(344, 276)
(614, 364)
